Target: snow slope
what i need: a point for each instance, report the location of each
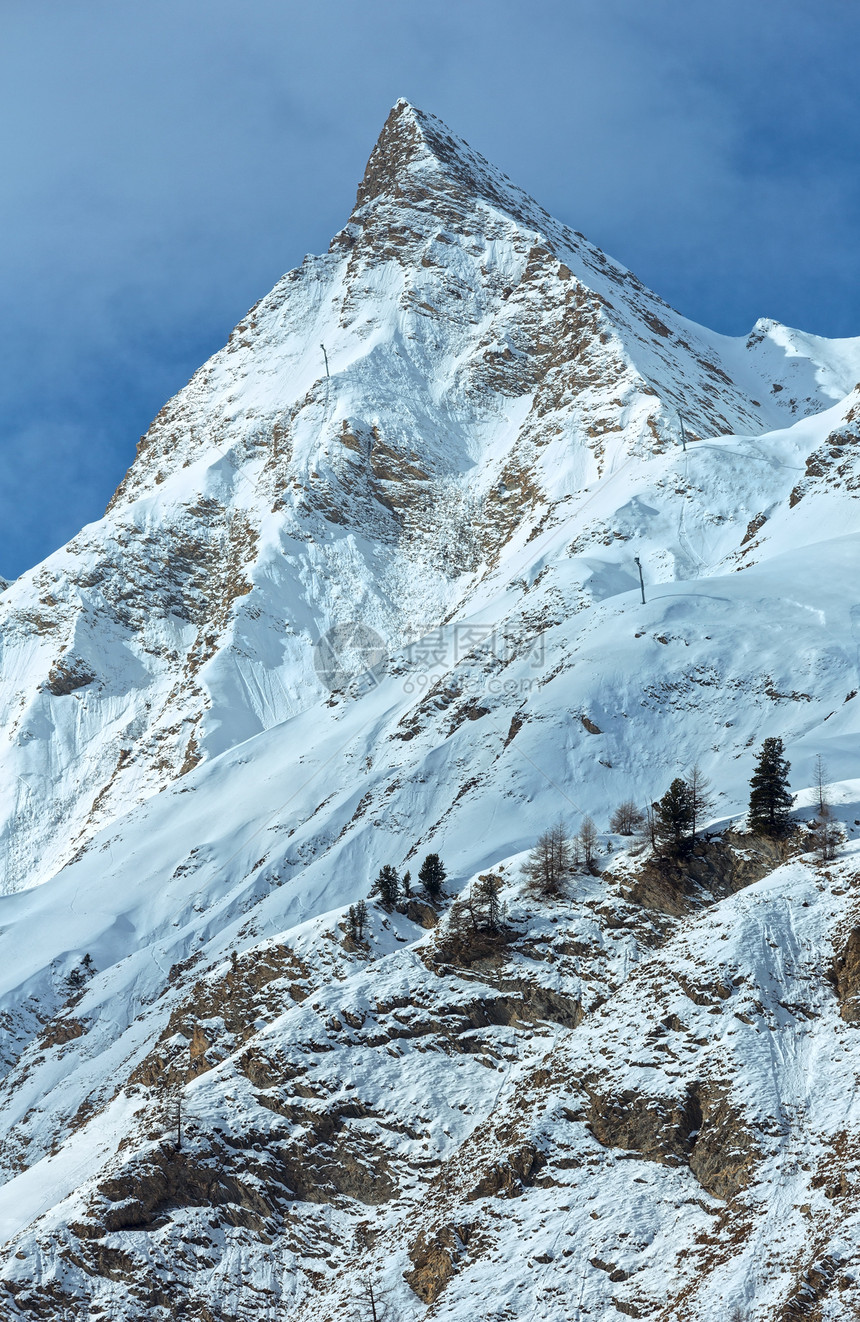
(493, 376)
(497, 443)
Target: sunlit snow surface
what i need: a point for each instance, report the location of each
(497, 442)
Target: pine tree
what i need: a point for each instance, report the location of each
(406, 883)
(550, 862)
(673, 818)
(387, 886)
(356, 918)
(432, 875)
(770, 797)
(487, 890)
(75, 981)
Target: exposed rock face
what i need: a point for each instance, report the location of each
(845, 976)
(634, 1098)
(490, 367)
(700, 1128)
(435, 1257)
(715, 866)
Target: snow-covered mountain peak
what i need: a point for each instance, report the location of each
(800, 362)
(417, 156)
(386, 436)
(586, 543)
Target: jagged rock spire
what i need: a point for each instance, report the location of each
(417, 155)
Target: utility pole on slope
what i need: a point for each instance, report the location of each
(683, 434)
(325, 356)
(641, 580)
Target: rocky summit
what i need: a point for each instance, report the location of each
(370, 594)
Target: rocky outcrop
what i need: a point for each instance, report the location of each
(435, 1256)
(700, 1128)
(844, 975)
(714, 867)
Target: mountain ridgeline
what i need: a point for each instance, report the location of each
(367, 607)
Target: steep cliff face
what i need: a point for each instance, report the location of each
(491, 374)
(448, 440)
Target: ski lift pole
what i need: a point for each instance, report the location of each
(325, 356)
(683, 434)
(641, 580)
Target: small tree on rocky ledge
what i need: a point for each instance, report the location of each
(701, 797)
(75, 982)
(387, 886)
(587, 838)
(370, 1302)
(432, 876)
(821, 779)
(356, 918)
(826, 835)
(550, 862)
(627, 818)
(78, 977)
(770, 797)
(673, 818)
(487, 890)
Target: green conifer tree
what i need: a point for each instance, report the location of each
(674, 817)
(432, 875)
(770, 797)
(487, 891)
(387, 885)
(356, 917)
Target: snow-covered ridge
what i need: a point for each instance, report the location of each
(492, 376)
(495, 444)
(618, 1108)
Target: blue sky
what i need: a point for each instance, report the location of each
(161, 165)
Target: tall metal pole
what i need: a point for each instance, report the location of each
(325, 356)
(683, 433)
(641, 580)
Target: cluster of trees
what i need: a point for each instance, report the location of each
(771, 801)
(390, 889)
(356, 920)
(480, 909)
(79, 976)
(672, 823)
(557, 854)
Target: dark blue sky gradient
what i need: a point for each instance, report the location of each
(161, 165)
